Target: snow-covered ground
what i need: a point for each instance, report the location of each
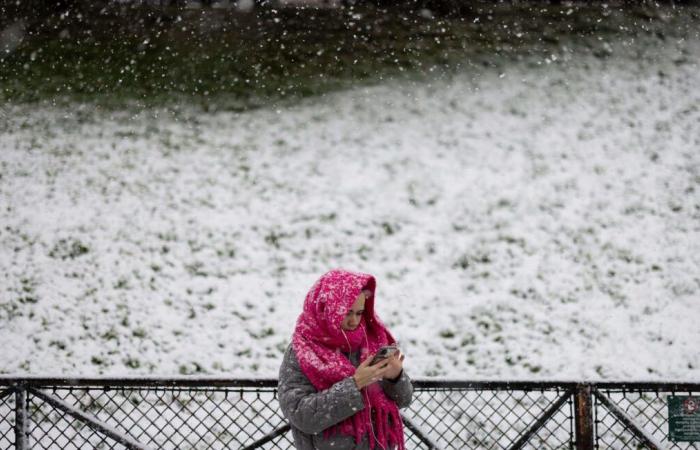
(538, 220)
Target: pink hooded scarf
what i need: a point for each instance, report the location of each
(318, 341)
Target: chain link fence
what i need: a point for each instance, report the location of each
(205, 413)
(7, 417)
(646, 408)
(490, 417)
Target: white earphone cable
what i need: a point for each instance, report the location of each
(364, 391)
(369, 404)
(346, 340)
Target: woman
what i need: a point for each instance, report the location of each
(332, 395)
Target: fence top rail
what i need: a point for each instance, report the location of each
(263, 383)
(144, 382)
(656, 386)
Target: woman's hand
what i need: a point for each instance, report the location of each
(366, 374)
(395, 366)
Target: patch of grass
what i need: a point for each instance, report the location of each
(266, 332)
(110, 334)
(467, 261)
(274, 238)
(122, 283)
(68, 249)
(447, 334)
(228, 251)
(132, 363)
(196, 269)
(139, 332)
(190, 368)
(60, 345)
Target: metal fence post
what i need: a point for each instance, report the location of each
(583, 405)
(21, 417)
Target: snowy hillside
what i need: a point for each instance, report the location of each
(535, 220)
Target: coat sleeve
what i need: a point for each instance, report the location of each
(400, 391)
(313, 411)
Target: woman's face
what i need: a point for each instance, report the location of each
(354, 316)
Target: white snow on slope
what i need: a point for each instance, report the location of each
(534, 221)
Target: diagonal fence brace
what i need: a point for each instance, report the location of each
(641, 434)
(6, 392)
(89, 420)
(541, 421)
(268, 437)
(411, 425)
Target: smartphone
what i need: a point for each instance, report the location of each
(384, 353)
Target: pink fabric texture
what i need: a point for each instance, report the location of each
(318, 341)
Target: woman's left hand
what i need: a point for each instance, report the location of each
(395, 366)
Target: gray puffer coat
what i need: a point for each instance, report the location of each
(310, 412)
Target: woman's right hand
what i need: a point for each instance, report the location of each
(366, 374)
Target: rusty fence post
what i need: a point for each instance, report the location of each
(583, 422)
(21, 417)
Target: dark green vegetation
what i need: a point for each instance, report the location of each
(224, 58)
